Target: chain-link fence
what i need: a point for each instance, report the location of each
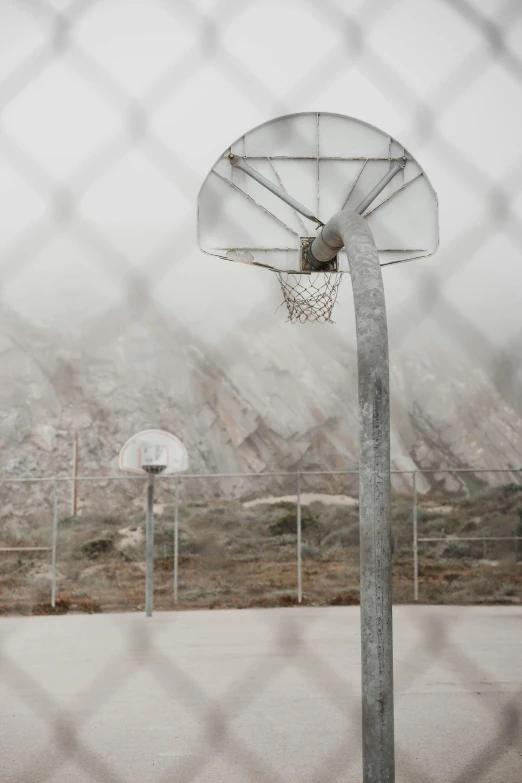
(223, 541)
(98, 96)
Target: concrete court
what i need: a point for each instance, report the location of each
(255, 695)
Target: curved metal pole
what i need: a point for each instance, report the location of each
(349, 229)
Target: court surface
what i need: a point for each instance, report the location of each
(256, 695)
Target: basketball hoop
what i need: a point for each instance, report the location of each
(265, 198)
(375, 206)
(310, 297)
(151, 453)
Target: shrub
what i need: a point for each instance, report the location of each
(62, 606)
(70, 520)
(95, 547)
(342, 538)
(479, 587)
(346, 598)
(288, 539)
(66, 602)
(288, 524)
(87, 605)
(310, 551)
(191, 546)
(511, 489)
(455, 550)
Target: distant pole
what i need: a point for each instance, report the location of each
(176, 540)
(149, 548)
(53, 545)
(299, 557)
(415, 541)
(74, 493)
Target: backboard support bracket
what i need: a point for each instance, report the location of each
(331, 266)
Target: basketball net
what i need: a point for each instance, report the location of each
(310, 297)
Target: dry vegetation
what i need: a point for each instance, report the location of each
(232, 556)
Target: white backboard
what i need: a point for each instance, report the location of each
(326, 162)
(153, 448)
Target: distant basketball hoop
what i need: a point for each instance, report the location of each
(150, 453)
(153, 452)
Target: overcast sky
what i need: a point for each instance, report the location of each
(106, 139)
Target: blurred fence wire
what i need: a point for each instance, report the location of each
(77, 95)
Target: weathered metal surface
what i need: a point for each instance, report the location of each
(299, 545)
(349, 229)
(54, 540)
(306, 266)
(240, 163)
(149, 549)
(176, 540)
(415, 540)
(379, 187)
(314, 164)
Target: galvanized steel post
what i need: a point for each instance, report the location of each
(53, 545)
(349, 229)
(74, 490)
(176, 539)
(149, 548)
(415, 541)
(299, 557)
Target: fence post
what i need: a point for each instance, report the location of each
(53, 545)
(299, 563)
(484, 548)
(74, 491)
(415, 540)
(149, 548)
(176, 539)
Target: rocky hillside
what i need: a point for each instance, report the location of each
(260, 401)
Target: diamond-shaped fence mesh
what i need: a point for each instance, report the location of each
(105, 109)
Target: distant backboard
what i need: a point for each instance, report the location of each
(153, 451)
(326, 162)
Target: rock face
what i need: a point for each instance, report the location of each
(259, 402)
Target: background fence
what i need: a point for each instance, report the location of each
(237, 545)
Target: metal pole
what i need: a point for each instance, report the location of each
(176, 540)
(74, 493)
(149, 548)
(351, 230)
(484, 548)
(243, 166)
(372, 195)
(415, 541)
(299, 557)
(53, 546)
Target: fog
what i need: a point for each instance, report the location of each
(110, 125)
